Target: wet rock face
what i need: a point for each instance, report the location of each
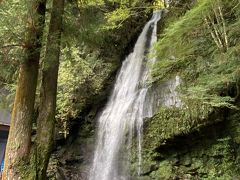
(210, 152)
(72, 160)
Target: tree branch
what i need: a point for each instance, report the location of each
(224, 27)
(11, 45)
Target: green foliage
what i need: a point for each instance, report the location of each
(164, 171)
(210, 80)
(187, 48)
(7, 96)
(81, 76)
(170, 122)
(159, 4)
(209, 152)
(12, 33)
(81, 25)
(129, 9)
(117, 17)
(124, 10)
(96, 27)
(11, 38)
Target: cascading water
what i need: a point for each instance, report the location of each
(123, 115)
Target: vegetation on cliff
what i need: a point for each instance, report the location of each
(197, 140)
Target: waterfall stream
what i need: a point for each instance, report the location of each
(122, 118)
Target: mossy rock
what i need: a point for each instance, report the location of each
(164, 171)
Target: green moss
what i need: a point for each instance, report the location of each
(164, 171)
(188, 49)
(169, 122)
(26, 169)
(204, 152)
(199, 140)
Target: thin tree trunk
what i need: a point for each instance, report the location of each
(224, 28)
(46, 119)
(19, 140)
(212, 33)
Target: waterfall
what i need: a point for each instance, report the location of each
(122, 118)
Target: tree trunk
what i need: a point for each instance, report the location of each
(19, 140)
(46, 118)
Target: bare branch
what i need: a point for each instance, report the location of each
(224, 27)
(212, 33)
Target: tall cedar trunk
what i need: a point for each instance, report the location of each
(46, 119)
(19, 141)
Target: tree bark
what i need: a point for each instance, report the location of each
(46, 118)
(19, 140)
